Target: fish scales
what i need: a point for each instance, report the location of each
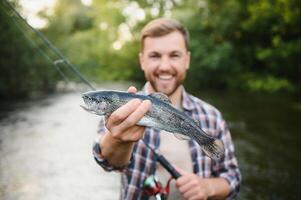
(162, 115)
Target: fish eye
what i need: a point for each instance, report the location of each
(102, 105)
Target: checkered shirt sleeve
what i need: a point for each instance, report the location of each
(97, 149)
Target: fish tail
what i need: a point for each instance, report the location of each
(214, 148)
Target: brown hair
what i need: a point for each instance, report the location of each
(160, 27)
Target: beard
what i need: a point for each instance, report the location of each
(168, 88)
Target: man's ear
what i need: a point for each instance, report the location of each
(188, 60)
(141, 61)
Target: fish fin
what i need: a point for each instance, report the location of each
(161, 96)
(215, 149)
(181, 136)
(197, 122)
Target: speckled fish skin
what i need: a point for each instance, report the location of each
(162, 115)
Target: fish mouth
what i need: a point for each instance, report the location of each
(88, 109)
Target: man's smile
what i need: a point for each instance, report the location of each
(165, 77)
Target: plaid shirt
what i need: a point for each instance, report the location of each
(143, 163)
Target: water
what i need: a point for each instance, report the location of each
(266, 133)
(46, 152)
(45, 147)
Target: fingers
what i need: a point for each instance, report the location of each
(135, 116)
(123, 112)
(133, 134)
(181, 171)
(195, 194)
(184, 178)
(184, 183)
(132, 89)
(122, 122)
(190, 186)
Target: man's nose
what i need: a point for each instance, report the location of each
(165, 63)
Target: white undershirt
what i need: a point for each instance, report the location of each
(177, 152)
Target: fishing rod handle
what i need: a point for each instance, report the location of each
(174, 173)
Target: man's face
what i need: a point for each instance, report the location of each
(165, 61)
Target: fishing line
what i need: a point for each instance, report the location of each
(61, 59)
(36, 47)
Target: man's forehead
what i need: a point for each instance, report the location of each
(173, 41)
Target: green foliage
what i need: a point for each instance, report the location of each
(233, 39)
(23, 70)
(235, 44)
(275, 29)
(91, 49)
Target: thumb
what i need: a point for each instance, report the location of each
(183, 179)
(181, 171)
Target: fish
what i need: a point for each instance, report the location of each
(162, 115)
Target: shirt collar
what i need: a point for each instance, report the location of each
(187, 102)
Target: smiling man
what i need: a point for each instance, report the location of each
(165, 59)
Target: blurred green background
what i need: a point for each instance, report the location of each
(245, 61)
(236, 44)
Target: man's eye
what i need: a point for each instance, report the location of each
(154, 56)
(175, 55)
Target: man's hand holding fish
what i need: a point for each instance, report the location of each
(117, 144)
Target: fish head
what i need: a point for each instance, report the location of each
(96, 103)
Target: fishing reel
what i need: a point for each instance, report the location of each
(152, 187)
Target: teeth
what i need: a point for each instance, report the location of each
(165, 77)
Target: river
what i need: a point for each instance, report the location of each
(267, 137)
(45, 147)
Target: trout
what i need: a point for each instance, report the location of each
(162, 115)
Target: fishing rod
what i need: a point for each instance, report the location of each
(151, 185)
(164, 162)
(160, 158)
(56, 51)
